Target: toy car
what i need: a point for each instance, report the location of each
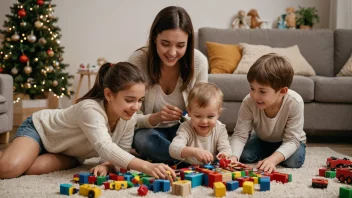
(333, 163)
(89, 190)
(319, 183)
(344, 175)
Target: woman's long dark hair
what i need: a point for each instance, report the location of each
(169, 18)
(116, 77)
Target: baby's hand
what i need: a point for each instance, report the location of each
(222, 155)
(234, 159)
(203, 155)
(100, 170)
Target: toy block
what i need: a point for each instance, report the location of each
(83, 178)
(120, 185)
(264, 183)
(130, 184)
(248, 187)
(319, 183)
(241, 180)
(128, 177)
(107, 178)
(270, 175)
(243, 173)
(281, 177)
(247, 172)
(92, 179)
(157, 185)
(231, 185)
(252, 174)
(67, 189)
(208, 166)
(289, 177)
(214, 177)
(142, 190)
(89, 190)
(226, 177)
(120, 178)
(135, 180)
(219, 189)
(345, 192)
(122, 170)
(254, 180)
(76, 178)
(165, 186)
(206, 180)
(196, 179)
(113, 176)
(322, 171)
(100, 180)
(107, 185)
(330, 174)
(236, 174)
(146, 180)
(181, 188)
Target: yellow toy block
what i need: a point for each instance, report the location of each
(188, 172)
(237, 174)
(89, 190)
(181, 188)
(226, 177)
(219, 189)
(120, 185)
(248, 187)
(255, 180)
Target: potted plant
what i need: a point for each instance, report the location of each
(307, 17)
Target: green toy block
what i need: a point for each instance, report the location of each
(146, 180)
(289, 177)
(135, 174)
(101, 180)
(251, 174)
(243, 173)
(330, 174)
(129, 184)
(345, 192)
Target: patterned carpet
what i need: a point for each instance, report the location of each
(48, 185)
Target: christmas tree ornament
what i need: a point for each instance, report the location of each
(50, 53)
(27, 85)
(23, 24)
(45, 27)
(1, 69)
(31, 38)
(51, 15)
(43, 71)
(27, 69)
(43, 18)
(21, 13)
(30, 80)
(38, 24)
(56, 63)
(42, 41)
(50, 69)
(55, 83)
(15, 37)
(14, 71)
(40, 2)
(58, 41)
(23, 58)
(14, 88)
(60, 58)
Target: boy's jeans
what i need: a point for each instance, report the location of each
(153, 144)
(257, 149)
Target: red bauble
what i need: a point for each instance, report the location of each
(21, 13)
(23, 58)
(1, 70)
(40, 2)
(50, 52)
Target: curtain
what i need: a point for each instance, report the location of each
(340, 14)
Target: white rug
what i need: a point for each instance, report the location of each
(48, 185)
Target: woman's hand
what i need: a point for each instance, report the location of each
(222, 155)
(266, 165)
(203, 155)
(159, 171)
(234, 159)
(170, 113)
(100, 170)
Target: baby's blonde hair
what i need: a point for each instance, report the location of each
(202, 93)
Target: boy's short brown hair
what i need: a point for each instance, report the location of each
(272, 70)
(203, 92)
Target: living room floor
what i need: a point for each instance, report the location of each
(340, 144)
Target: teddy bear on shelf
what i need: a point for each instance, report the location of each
(240, 22)
(253, 13)
(101, 61)
(290, 18)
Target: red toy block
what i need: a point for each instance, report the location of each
(120, 178)
(270, 175)
(281, 177)
(122, 170)
(322, 171)
(106, 185)
(143, 190)
(241, 180)
(113, 176)
(92, 179)
(214, 177)
(224, 162)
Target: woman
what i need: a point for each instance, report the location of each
(172, 66)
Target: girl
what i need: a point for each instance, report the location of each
(203, 137)
(173, 66)
(101, 123)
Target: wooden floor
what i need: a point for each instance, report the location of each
(339, 144)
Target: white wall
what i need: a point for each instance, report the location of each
(114, 29)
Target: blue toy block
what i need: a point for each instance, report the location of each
(232, 185)
(206, 180)
(196, 179)
(83, 177)
(165, 186)
(264, 183)
(157, 185)
(65, 189)
(107, 177)
(128, 177)
(150, 187)
(208, 166)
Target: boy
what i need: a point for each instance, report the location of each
(203, 137)
(275, 113)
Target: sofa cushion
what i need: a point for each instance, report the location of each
(333, 89)
(2, 99)
(316, 46)
(3, 105)
(251, 53)
(4, 120)
(223, 58)
(236, 87)
(343, 48)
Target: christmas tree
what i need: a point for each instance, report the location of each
(31, 50)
